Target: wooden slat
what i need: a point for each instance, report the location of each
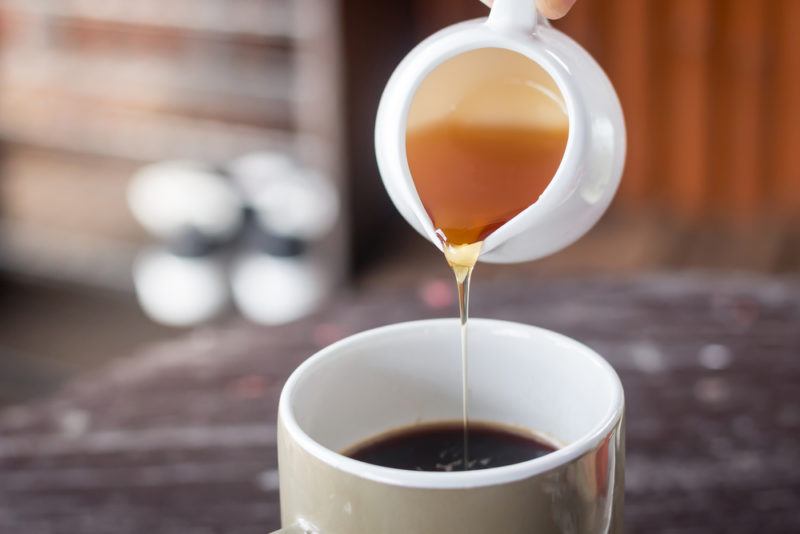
(739, 97)
(77, 126)
(659, 57)
(688, 25)
(783, 134)
(628, 54)
(271, 18)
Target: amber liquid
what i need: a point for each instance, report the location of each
(486, 133)
(472, 178)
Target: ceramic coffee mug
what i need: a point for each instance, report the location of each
(408, 373)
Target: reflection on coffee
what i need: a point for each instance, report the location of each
(438, 447)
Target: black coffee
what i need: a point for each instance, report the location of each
(440, 447)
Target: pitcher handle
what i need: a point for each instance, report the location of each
(513, 15)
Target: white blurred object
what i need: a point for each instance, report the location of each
(275, 280)
(196, 211)
(179, 290)
(288, 200)
(168, 198)
(253, 169)
(275, 290)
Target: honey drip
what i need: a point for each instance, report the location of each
(462, 259)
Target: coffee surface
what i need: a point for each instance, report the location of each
(440, 447)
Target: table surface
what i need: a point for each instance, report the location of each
(180, 437)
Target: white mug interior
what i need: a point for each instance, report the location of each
(410, 373)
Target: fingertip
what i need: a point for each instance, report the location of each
(554, 9)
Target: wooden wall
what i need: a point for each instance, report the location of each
(92, 90)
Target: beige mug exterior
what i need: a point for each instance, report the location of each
(577, 489)
(583, 496)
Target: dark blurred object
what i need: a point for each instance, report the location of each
(92, 89)
(180, 438)
(377, 35)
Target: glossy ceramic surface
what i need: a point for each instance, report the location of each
(593, 160)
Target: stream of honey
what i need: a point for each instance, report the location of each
(485, 135)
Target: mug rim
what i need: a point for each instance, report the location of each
(456, 479)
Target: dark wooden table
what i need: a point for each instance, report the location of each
(180, 438)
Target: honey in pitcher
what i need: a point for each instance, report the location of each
(486, 133)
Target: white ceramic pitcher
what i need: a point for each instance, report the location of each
(590, 170)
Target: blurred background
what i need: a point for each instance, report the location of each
(142, 145)
(91, 92)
